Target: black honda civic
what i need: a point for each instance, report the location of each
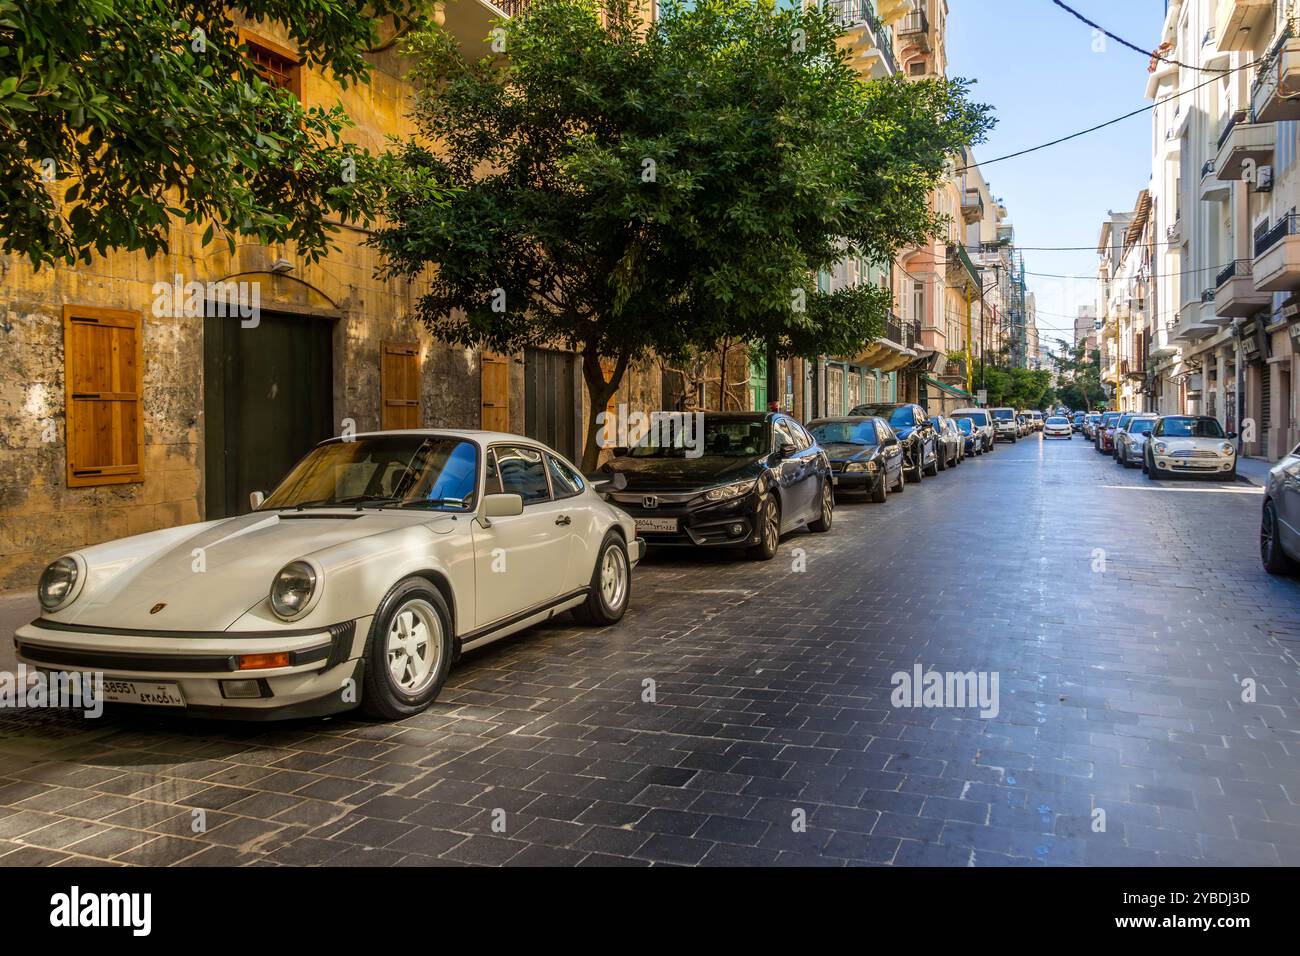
(745, 479)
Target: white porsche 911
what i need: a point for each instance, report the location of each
(364, 575)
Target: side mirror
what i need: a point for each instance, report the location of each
(502, 506)
(255, 498)
(1232, 435)
(787, 449)
(621, 452)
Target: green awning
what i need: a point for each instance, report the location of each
(950, 389)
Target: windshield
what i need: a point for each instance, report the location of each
(845, 433)
(1189, 428)
(978, 418)
(965, 426)
(1140, 426)
(408, 471)
(1057, 421)
(1003, 414)
(723, 438)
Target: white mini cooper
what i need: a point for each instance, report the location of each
(363, 576)
(1190, 445)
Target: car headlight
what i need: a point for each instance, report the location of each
(734, 490)
(293, 589)
(1161, 448)
(1226, 448)
(871, 466)
(58, 584)
(854, 466)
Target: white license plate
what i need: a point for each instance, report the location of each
(150, 693)
(661, 525)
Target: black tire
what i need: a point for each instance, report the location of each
(918, 470)
(605, 606)
(935, 468)
(881, 494)
(826, 512)
(902, 481)
(1271, 555)
(940, 459)
(1153, 473)
(769, 541)
(382, 696)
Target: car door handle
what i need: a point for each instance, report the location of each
(563, 519)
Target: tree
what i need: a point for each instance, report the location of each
(1080, 375)
(118, 117)
(621, 188)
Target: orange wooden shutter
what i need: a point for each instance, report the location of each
(103, 375)
(495, 391)
(399, 385)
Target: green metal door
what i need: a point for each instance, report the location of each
(758, 379)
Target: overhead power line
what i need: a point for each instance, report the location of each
(1150, 54)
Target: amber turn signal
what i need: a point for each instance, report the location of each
(253, 662)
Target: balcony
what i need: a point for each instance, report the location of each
(1277, 256)
(471, 22)
(915, 28)
(1213, 189)
(1243, 24)
(1243, 146)
(972, 206)
(1274, 97)
(1235, 295)
(1195, 321)
(869, 40)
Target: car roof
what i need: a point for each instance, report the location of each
(476, 435)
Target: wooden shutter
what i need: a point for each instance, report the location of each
(103, 374)
(494, 391)
(399, 385)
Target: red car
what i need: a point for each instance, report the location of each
(1105, 443)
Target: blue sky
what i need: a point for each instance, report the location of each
(1037, 66)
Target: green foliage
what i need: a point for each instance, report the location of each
(138, 112)
(1079, 371)
(1017, 387)
(620, 189)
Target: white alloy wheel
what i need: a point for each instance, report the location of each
(414, 646)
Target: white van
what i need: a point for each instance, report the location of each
(1005, 424)
(985, 435)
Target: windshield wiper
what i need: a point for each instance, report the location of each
(425, 502)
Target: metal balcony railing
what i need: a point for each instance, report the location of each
(1207, 169)
(912, 334)
(1238, 269)
(1240, 116)
(914, 22)
(1288, 225)
(854, 13)
(893, 329)
(511, 8)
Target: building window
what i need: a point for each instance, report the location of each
(103, 376)
(278, 66)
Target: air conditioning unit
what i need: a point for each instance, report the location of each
(1264, 179)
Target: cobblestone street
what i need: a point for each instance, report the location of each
(1120, 647)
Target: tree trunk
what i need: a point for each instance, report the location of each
(599, 392)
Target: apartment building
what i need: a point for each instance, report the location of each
(1224, 332)
(1124, 278)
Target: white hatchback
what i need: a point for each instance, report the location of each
(1057, 427)
(359, 581)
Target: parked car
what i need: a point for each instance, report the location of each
(1004, 421)
(1076, 421)
(1023, 428)
(972, 442)
(1090, 423)
(865, 454)
(1106, 433)
(1121, 424)
(912, 426)
(759, 476)
(1129, 443)
(951, 445)
(371, 567)
(1279, 531)
(982, 423)
(1190, 445)
(1037, 420)
(1057, 427)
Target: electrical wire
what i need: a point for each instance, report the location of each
(1150, 54)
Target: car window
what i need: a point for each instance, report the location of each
(1190, 428)
(781, 434)
(801, 437)
(523, 473)
(884, 433)
(1140, 426)
(492, 477)
(845, 433)
(565, 482)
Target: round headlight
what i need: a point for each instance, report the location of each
(1161, 448)
(292, 589)
(58, 584)
(1226, 448)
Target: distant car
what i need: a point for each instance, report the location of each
(1004, 421)
(974, 444)
(910, 423)
(1190, 445)
(865, 454)
(1279, 530)
(760, 475)
(950, 442)
(1077, 421)
(1106, 433)
(1058, 426)
(1037, 419)
(982, 422)
(1023, 423)
(1120, 426)
(1130, 443)
(1090, 423)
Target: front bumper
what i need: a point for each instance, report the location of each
(852, 481)
(201, 665)
(1196, 466)
(725, 524)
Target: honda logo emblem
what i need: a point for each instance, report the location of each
(649, 501)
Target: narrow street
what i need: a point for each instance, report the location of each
(1119, 638)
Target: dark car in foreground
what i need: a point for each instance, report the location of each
(753, 478)
(866, 456)
(1279, 530)
(912, 426)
